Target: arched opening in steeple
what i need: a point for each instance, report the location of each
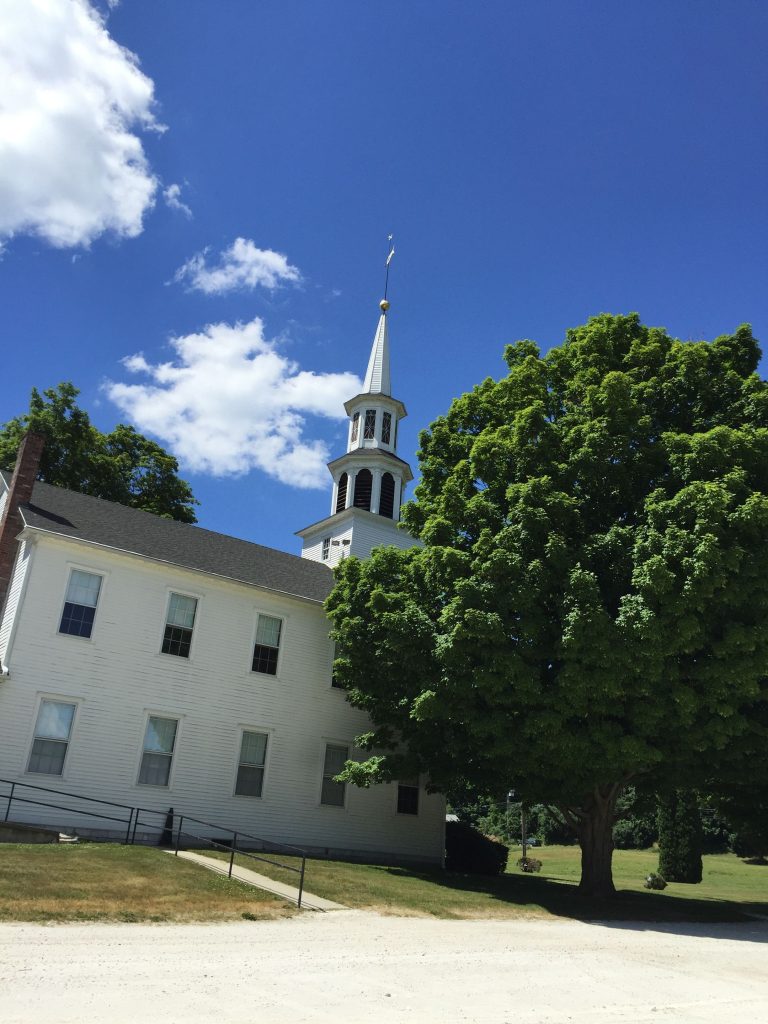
(387, 497)
(341, 494)
(363, 487)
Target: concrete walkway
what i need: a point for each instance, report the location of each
(287, 892)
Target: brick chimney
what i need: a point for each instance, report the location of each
(22, 482)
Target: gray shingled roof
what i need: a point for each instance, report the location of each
(96, 521)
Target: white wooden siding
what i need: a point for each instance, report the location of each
(119, 676)
(15, 591)
(364, 531)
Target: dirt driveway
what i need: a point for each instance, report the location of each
(357, 967)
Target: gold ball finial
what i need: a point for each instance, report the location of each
(384, 305)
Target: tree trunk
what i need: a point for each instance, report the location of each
(594, 828)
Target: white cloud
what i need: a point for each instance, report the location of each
(172, 197)
(241, 266)
(71, 165)
(230, 402)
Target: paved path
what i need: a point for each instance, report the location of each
(288, 892)
(360, 968)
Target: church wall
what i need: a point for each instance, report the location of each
(371, 531)
(15, 590)
(119, 676)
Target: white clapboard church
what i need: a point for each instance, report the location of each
(157, 664)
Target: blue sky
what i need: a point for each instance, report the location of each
(537, 162)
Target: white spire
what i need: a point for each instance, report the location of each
(377, 379)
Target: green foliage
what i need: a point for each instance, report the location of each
(716, 831)
(680, 837)
(529, 865)
(635, 827)
(122, 466)
(746, 809)
(470, 852)
(549, 827)
(654, 881)
(589, 606)
(497, 818)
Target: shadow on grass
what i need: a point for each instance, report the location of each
(627, 909)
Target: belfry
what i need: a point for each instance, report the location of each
(370, 478)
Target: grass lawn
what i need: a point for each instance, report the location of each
(105, 882)
(101, 882)
(730, 888)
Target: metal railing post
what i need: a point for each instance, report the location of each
(232, 855)
(301, 881)
(10, 797)
(178, 835)
(128, 832)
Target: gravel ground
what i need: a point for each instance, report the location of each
(358, 967)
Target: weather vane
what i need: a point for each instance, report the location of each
(391, 248)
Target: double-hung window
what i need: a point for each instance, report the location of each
(250, 767)
(80, 603)
(408, 796)
(333, 792)
(52, 731)
(267, 646)
(179, 623)
(326, 548)
(157, 754)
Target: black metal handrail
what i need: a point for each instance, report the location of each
(13, 795)
(230, 845)
(132, 824)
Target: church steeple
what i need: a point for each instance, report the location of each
(370, 478)
(377, 377)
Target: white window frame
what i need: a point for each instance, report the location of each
(169, 591)
(265, 731)
(70, 566)
(57, 698)
(281, 648)
(330, 742)
(153, 713)
(325, 550)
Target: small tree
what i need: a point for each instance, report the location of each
(680, 837)
(589, 607)
(746, 810)
(122, 466)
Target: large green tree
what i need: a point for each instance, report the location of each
(122, 466)
(589, 608)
